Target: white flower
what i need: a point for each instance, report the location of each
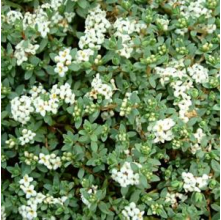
(126, 175)
(61, 69)
(39, 198)
(44, 159)
(23, 49)
(63, 60)
(12, 16)
(56, 163)
(36, 91)
(11, 143)
(96, 25)
(43, 28)
(124, 28)
(50, 161)
(194, 184)
(199, 135)
(163, 23)
(31, 212)
(162, 130)
(28, 212)
(169, 72)
(41, 106)
(172, 198)
(100, 88)
(55, 4)
(21, 108)
(26, 180)
(65, 93)
(91, 191)
(198, 73)
(3, 213)
(209, 28)
(56, 18)
(84, 55)
(194, 148)
(29, 191)
(27, 137)
(131, 212)
(69, 16)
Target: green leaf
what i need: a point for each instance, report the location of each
(215, 165)
(104, 208)
(81, 173)
(143, 181)
(82, 3)
(94, 146)
(74, 66)
(28, 75)
(93, 137)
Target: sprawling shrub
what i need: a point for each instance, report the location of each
(110, 109)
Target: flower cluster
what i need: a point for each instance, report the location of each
(52, 162)
(25, 185)
(163, 23)
(96, 26)
(126, 176)
(199, 136)
(124, 28)
(63, 60)
(29, 211)
(41, 102)
(193, 9)
(169, 72)
(194, 184)
(176, 75)
(23, 49)
(40, 19)
(184, 100)
(91, 192)
(125, 108)
(198, 73)
(27, 137)
(100, 88)
(131, 212)
(30, 158)
(21, 109)
(11, 142)
(173, 198)
(12, 16)
(162, 130)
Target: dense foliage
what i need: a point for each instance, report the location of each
(110, 109)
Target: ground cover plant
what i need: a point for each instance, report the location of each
(110, 109)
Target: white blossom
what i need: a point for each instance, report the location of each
(98, 87)
(162, 130)
(131, 212)
(52, 162)
(194, 184)
(12, 16)
(3, 213)
(124, 28)
(125, 176)
(172, 198)
(198, 73)
(21, 109)
(27, 137)
(23, 49)
(91, 191)
(199, 135)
